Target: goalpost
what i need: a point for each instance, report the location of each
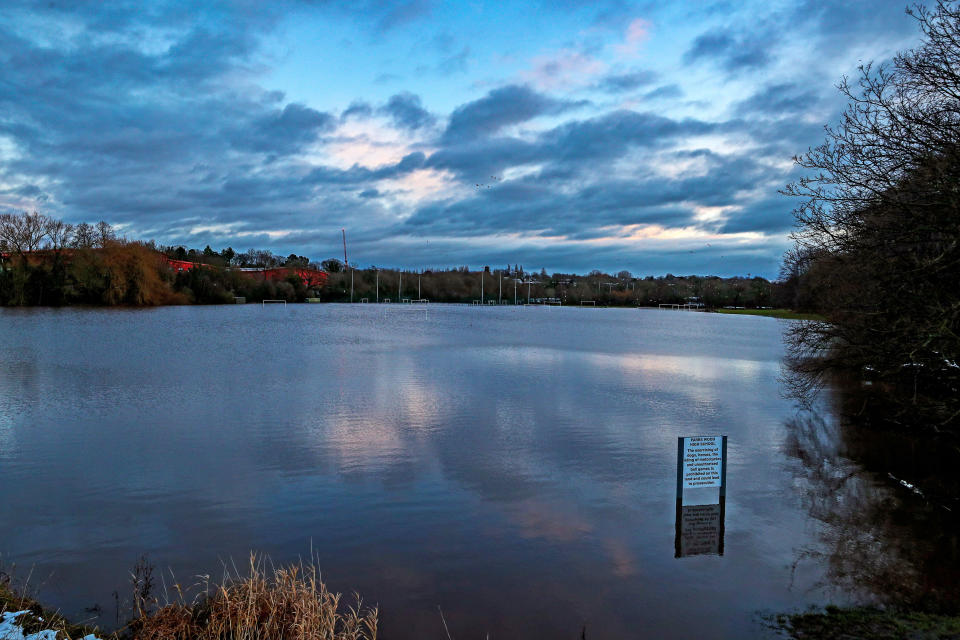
(264, 302)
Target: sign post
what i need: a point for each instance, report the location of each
(701, 463)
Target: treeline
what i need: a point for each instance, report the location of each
(48, 262)
(262, 258)
(45, 261)
(878, 243)
(511, 285)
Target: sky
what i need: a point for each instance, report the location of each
(563, 135)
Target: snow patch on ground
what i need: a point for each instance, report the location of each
(10, 630)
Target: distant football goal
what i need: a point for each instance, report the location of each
(266, 302)
(684, 307)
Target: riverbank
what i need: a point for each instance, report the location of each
(785, 314)
(864, 623)
(34, 618)
(283, 603)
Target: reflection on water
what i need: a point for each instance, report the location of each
(700, 529)
(515, 466)
(884, 540)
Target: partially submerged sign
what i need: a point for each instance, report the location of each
(701, 464)
(703, 461)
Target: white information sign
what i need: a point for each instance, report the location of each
(702, 461)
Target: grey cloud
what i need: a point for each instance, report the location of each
(502, 107)
(285, 131)
(731, 52)
(406, 111)
(837, 25)
(779, 99)
(619, 83)
(358, 109)
(770, 215)
(400, 13)
(477, 160)
(358, 175)
(454, 63)
(666, 92)
(545, 203)
(610, 135)
(565, 148)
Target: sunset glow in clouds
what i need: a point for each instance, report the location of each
(569, 136)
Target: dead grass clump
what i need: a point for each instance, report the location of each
(288, 603)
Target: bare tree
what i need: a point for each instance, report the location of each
(879, 222)
(59, 234)
(104, 234)
(23, 232)
(84, 236)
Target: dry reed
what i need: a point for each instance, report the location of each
(287, 603)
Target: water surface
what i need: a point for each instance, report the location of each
(514, 465)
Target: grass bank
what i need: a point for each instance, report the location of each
(785, 314)
(265, 603)
(37, 617)
(864, 623)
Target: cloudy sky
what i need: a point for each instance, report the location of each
(563, 135)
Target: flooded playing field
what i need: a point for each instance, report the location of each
(515, 466)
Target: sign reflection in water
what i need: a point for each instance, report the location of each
(701, 463)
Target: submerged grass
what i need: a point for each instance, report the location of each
(865, 623)
(785, 314)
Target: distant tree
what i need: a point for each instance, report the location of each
(263, 258)
(59, 235)
(84, 236)
(104, 234)
(332, 265)
(293, 260)
(23, 232)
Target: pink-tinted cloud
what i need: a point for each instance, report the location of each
(563, 69)
(638, 31)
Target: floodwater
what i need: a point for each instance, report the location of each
(514, 466)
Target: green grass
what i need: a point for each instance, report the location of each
(863, 623)
(785, 314)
